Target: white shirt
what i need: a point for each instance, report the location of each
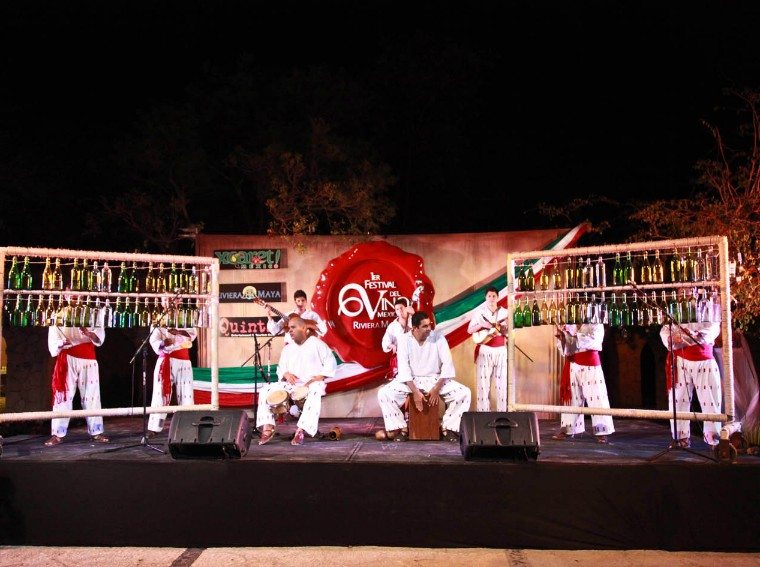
(484, 318)
(275, 326)
(311, 358)
(159, 334)
(431, 358)
(74, 335)
(392, 335)
(705, 332)
(588, 336)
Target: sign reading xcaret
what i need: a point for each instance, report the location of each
(265, 259)
(356, 293)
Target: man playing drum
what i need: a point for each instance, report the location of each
(305, 361)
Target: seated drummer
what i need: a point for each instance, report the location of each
(425, 369)
(306, 361)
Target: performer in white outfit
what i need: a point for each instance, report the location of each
(393, 332)
(697, 370)
(173, 368)
(276, 326)
(306, 361)
(76, 367)
(425, 367)
(583, 379)
(488, 330)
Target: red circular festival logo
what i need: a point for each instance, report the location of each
(356, 294)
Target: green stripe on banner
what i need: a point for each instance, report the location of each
(232, 375)
(474, 299)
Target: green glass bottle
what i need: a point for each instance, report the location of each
(75, 282)
(626, 315)
(674, 308)
(527, 316)
(150, 279)
(161, 279)
(26, 275)
(14, 275)
(122, 282)
(119, 315)
(629, 274)
(87, 276)
(614, 312)
(617, 271)
(145, 314)
(172, 283)
(676, 267)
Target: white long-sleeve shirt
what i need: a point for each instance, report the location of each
(581, 338)
(705, 332)
(159, 334)
(484, 318)
(392, 334)
(58, 336)
(431, 358)
(311, 358)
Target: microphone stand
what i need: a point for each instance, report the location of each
(143, 348)
(675, 444)
(258, 369)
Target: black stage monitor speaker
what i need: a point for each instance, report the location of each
(496, 436)
(209, 434)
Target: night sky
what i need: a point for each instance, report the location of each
(481, 109)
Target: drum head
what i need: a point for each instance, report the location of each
(300, 393)
(277, 397)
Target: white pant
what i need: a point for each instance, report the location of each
(391, 397)
(309, 419)
(181, 376)
(83, 374)
(491, 366)
(704, 377)
(587, 385)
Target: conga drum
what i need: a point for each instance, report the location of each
(299, 396)
(278, 402)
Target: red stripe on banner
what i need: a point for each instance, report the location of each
(225, 400)
(363, 379)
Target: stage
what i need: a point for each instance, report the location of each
(356, 491)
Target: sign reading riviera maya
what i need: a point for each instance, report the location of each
(265, 259)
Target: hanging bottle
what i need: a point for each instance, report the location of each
(543, 280)
(108, 314)
(134, 283)
(26, 275)
(603, 310)
(626, 318)
(192, 281)
(588, 274)
(106, 277)
(676, 267)
(47, 275)
(135, 317)
(97, 277)
(569, 273)
(572, 310)
(75, 281)
(184, 278)
(517, 316)
(629, 275)
(688, 267)
(553, 312)
(710, 272)
(122, 282)
(658, 270)
(49, 315)
(544, 312)
(674, 308)
(530, 279)
(97, 312)
(614, 311)
(17, 313)
(527, 317)
(57, 278)
(520, 278)
(206, 280)
(557, 275)
(119, 319)
(580, 264)
(535, 313)
(699, 267)
(87, 276)
(155, 314)
(600, 273)
(561, 310)
(150, 279)
(14, 275)
(161, 279)
(593, 310)
(617, 271)
(145, 314)
(85, 319)
(645, 270)
(583, 308)
(173, 280)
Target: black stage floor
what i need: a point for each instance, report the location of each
(578, 494)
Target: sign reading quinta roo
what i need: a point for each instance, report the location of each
(266, 259)
(242, 326)
(356, 294)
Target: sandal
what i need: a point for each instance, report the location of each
(100, 438)
(54, 440)
(266, 436)
(602, 439)
(684, 443)
(560, 435)
(298, 437)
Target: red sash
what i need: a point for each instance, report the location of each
(692, 352)
(584, 358)
(496, 341)
(392, 366)
(164, 372)
(61, 368)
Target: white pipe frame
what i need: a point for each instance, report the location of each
(212, 300)
(723, 284)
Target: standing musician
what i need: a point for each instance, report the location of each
(397, 327)
(697, 371)
(582, 379)
(304, 361)
(315, 322)
(425, 369)
(76, 367)
(172, 368)
(488, 330)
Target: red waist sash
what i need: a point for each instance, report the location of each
(496, 341)
(61, 369)
(693, 353)
(584, 358)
